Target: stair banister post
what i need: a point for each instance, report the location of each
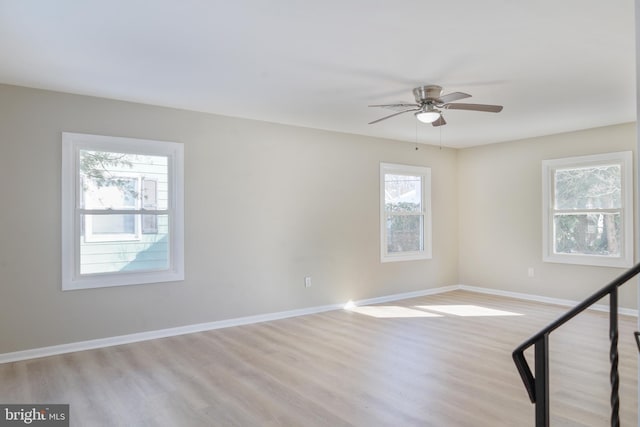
(613, 357)
(541, 351)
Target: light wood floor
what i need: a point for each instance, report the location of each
(406, 363)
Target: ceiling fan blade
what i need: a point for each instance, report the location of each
(393, 115)
(440, 122)
(454, 96)
(474, 107)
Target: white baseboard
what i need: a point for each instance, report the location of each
(200, 327)
(547, 300)
(161, 333)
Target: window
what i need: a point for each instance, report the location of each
(122, 211)
(587, 210)
(405, 212)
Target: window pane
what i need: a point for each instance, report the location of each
(112, 180)
(146, 252)
(404, 233)
(111, 193)
(113, 224)
(149, 224)
(402, 193)
(591, 234)
(596, 187)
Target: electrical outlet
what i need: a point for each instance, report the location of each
(307, 282)
(530, 271)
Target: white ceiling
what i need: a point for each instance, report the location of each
(555, 65)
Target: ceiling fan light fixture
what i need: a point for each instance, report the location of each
(428, 116)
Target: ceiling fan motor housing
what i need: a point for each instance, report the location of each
(424, 94)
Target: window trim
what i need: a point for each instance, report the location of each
(425, 173)
(72, 143)
(625, 160)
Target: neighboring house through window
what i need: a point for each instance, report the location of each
(588, 210)
(122, 211)
(405, 212)
(111, 192)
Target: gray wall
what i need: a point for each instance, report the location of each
(500, 208)
(266, 204)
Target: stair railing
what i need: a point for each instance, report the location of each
(538, 386)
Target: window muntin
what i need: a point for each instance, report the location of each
(122, 211)
(405, 212)
(588, 210)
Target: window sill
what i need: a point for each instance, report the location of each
(405, 257)
(589, 260)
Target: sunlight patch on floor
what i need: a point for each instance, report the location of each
(391, 311)
(397, 311)
(467, 310)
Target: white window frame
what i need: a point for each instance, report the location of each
(425, 174)
(625, 160)
(72, 143)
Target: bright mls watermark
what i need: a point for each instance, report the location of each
(34, 415)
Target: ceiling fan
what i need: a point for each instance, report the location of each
(430, 102)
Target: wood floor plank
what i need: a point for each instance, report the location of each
(441, 360)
